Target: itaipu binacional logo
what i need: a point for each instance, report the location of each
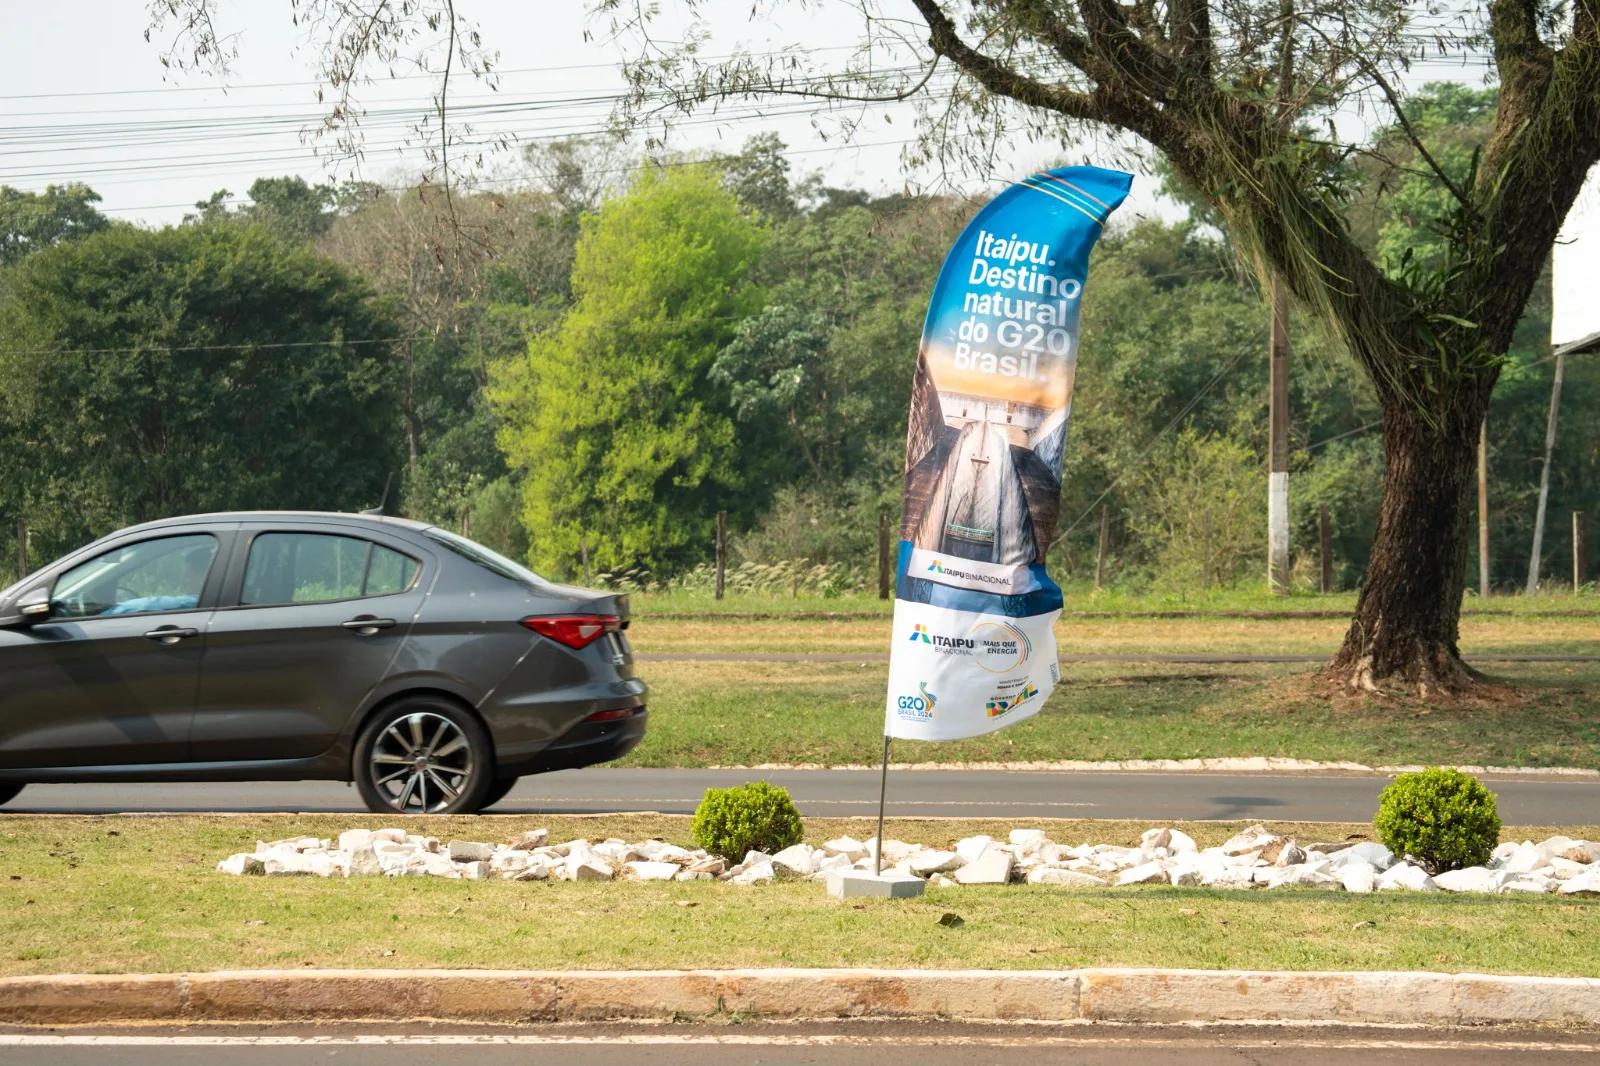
(917, 708)
(1000, 705)
(999, 647)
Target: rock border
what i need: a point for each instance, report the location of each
(1094, 995)
(1240, 764)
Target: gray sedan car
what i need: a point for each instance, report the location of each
(426, 668)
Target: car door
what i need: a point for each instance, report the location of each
(311, 623)
(109, 678)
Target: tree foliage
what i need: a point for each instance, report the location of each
(30, 221)
(610, 417)
(146, 373)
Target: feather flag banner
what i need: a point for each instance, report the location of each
(974, 616)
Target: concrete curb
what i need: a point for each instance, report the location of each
(1100, 995)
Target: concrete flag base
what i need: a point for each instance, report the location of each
(849, 883)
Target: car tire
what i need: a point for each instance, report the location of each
(498, 791)
(424, 755)
(10, 790)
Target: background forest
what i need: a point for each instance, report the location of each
(585, 365)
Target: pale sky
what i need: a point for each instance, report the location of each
(85, 98)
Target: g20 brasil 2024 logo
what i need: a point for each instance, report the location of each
(917, 708)
(1000, 647)
(1000, 705)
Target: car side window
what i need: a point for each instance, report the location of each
(285, 568)
(166, 574)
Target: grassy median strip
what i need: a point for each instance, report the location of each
(1520, 634)
(710, 714)
(131, 894)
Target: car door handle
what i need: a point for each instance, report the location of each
(367, 626)
(170, 634)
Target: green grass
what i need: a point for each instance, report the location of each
(706, 714)
(116, 895)
(1082, 599)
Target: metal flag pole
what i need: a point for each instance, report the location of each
(883, 794)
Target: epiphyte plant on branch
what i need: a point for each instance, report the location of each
(1263, 108)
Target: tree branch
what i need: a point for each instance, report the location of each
(998, 78)
(1412, 135)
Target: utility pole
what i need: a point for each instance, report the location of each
(1483, 508)
(22, 548)
(883, 557)
(722, 549)
(1544, 474)
(1105, 534)
(1205, 555)
(1278, 467)
(1325, 548)
(1580, 551)
(583, 554)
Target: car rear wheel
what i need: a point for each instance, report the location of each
(9, 791)
(498, 791)
(424, 756)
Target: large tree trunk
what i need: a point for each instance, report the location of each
(1407, 618)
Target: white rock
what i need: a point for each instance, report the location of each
(796, 859)
(1471, 879)
(243, 865)
(1256, 838)
(393, 836)
(1180, 841)
(941, 881)
(1358, 876)
(617, 852)
(1584, 885)
(755, 874)
(1150, 873)
(834, 862)
(848, 846)
(595, 869)
(1185, 876)
(529, 839)
(992, 867)
(1228, 877)
(1525, 859)
(1584, 851)
(538, 869)
(1564, 869)
(438, 865)
(1406, 876)
(1023, 838)
(711, 864)
(363, 862)
(645, 870)
(470, 851)
(687, 875)
(582, 847)
(972, 848)
(1557, 846)
(476, 871)
(894, 851)
(659, 851)
(1367, 851)
(1156, 838)
(1302, 873)
(928, 863)
(351, 839)
(1291, 854)
(1054, 875)
(1536, 883)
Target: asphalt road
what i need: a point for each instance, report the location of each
(842, 1044)
(846, 793)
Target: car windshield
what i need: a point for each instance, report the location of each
(490, 560)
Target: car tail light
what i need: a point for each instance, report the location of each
(610, 716)
(574, 630)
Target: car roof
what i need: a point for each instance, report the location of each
(340, 517)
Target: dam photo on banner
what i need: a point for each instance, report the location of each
(974, 640)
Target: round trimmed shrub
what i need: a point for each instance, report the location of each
(1444, 819)
(754, 816)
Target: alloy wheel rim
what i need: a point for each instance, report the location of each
(421, 763)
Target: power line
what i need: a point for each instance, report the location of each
(153, 349)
